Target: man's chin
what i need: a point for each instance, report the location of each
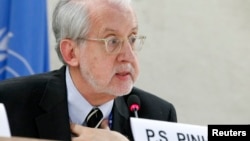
(125, 92)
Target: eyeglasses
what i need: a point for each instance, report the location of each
(113, 44)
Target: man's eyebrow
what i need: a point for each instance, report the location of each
(109, 29)
(113, 30)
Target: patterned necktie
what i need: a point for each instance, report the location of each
(94, 118)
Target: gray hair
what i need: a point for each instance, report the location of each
(71, 20)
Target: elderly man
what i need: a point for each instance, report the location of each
(98, 41)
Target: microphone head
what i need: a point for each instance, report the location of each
(133, 103)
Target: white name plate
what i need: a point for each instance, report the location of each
(4, 124)
(154, 130)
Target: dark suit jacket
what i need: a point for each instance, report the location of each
(37, 107)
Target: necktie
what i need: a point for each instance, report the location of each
(94, 118)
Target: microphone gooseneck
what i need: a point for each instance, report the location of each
(134, 104)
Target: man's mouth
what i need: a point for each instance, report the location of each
(123, 75)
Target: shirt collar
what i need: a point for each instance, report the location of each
(78, 106)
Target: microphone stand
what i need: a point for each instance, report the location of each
(136, 112)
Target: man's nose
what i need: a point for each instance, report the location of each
(127, 54)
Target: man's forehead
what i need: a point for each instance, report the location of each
(108, 17)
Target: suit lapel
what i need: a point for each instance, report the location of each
(54, 123)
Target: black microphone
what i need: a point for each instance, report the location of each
(134, 104)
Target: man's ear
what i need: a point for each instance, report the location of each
(69, 52)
